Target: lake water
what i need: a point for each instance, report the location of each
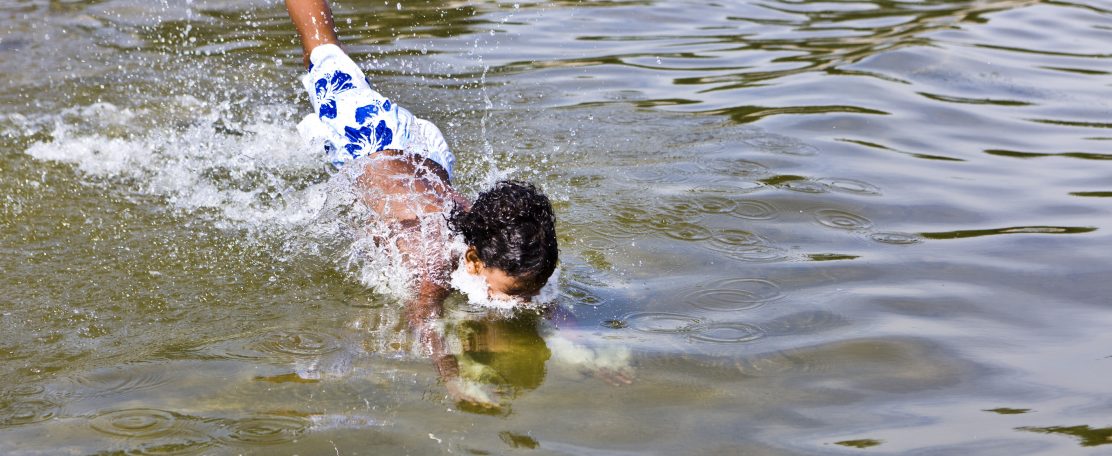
(803, 227)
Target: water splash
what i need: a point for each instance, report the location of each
(253, 176)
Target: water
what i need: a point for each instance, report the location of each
(801, 227)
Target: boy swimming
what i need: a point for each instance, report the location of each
(403, 170)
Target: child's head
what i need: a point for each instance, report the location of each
(511, 237)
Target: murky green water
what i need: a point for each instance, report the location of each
(804, 227)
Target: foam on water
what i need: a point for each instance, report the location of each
(477, 291)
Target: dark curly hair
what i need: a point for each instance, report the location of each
(512, 228)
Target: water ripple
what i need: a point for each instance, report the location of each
(25, 390)
(26, 411)
(261, 430)
(135, 423)
(842, 220)
(726, 333)
(733, 295)
(897, 238)
(297, 343)
(687, 232)
(156, 432)
(804, 186)
(745, 246)
(661, 322)
(782, 145)
(111, 381)
(712, 204)
(850, 186)
(754, 210)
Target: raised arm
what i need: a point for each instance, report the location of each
(313, 21)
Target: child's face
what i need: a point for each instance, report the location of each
(506, 287)
(499, 285)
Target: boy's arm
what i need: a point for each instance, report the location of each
(313, 21)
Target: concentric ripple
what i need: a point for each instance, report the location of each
(804, 186)
(842, 220)
(660, 221)
(25, 390)
(713, 204)
(105, 382)
(266, 430)
(850, 186)
(27, 411)
(633, 219)
(745, 246)
(297, 343)
(893, 237)
(687, 232)
(729, 188)
(726, 333)
(735, 294)
(136, 423)
(661, 322)
(754, 210)
(685, 209)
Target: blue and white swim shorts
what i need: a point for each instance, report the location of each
(352, 120)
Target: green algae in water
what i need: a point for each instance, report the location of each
(860, 443)
(1089, 436)
(518, 440)
(1007, 411)
(831, 257)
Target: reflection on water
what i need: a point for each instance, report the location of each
(797, 227)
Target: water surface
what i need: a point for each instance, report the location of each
(813, 227)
